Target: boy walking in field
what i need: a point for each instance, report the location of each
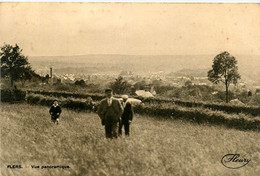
(55, 112)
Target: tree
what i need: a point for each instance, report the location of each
(80, 83)
(120, 85)
(224, 69)
(46, 78)
(188, 83)
(14, 65)
(26, 74)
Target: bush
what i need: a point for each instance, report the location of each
(252, 110)
(200, 115)
(12, 95)
(80, 83)
(94, 96)
(70, 103)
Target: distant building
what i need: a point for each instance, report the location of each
(143, 93)
(176, 85)
(257, 90)
(199, 84)
(55, 79)
(236, 102)
(51, 72)
(150, 88)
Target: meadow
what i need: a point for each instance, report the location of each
(157, 146)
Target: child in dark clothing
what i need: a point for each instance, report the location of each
(55, 112)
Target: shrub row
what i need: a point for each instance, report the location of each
(12, 95)
(70, 103)
(200, 115)
(252, 110)
(94, 96)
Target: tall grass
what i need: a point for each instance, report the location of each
(156, 146)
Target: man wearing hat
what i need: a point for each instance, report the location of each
(110, 111)
(127, 116)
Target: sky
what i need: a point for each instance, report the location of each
(64, 29)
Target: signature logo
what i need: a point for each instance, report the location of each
(234, 161)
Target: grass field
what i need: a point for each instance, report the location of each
(156, 146)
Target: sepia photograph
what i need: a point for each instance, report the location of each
(130, 89)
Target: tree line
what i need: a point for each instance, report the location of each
(15, 67)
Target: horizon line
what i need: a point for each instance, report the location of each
(135, 55)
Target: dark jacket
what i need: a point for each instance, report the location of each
(110, 113)
(128, 112)
(55, 111)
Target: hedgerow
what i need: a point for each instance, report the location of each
(94, 96)
(250, 110)
(70, 103)
(195, 114)
(12, 95)
(201, 115)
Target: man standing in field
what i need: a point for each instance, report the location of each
(127, 116)
(55, 112)
(110, 111)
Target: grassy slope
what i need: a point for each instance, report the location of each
(155, 147)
